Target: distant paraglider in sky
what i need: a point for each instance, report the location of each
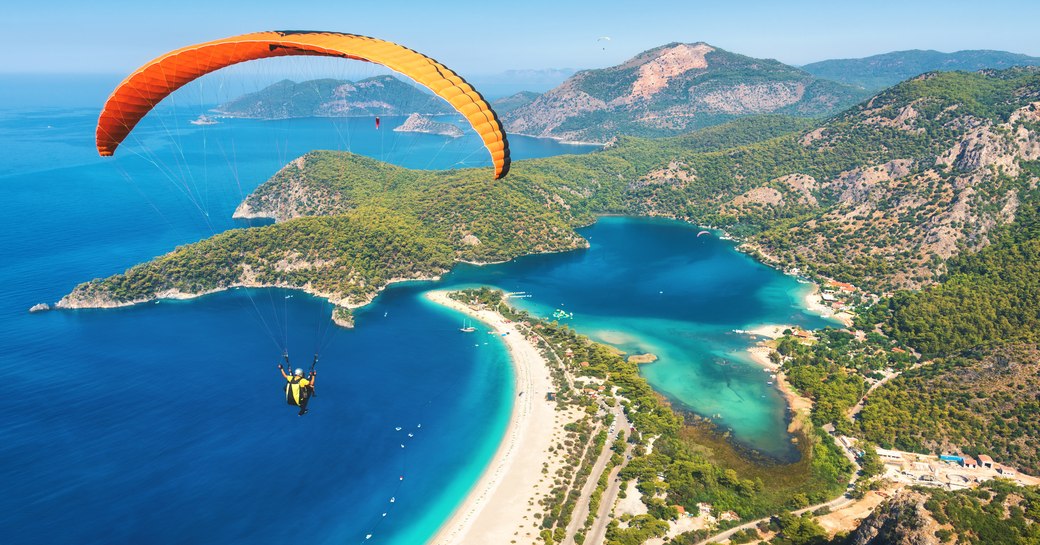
(603, 40)
(150, 84)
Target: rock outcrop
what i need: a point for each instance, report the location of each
(423, 124)
(903, 520)
(931, 207)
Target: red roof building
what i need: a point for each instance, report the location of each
(843, 286)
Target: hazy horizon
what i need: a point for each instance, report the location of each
(483, 39)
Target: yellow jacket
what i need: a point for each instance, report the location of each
(294, 389)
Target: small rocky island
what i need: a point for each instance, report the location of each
(421, 123)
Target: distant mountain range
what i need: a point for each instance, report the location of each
(673, 89)
(511, 81)
(665, 91)
(380, 95)
(881, 71)
(505, 105)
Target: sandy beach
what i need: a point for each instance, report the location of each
(770, 331)
(760, 355)
(500, 507)
(814, 303)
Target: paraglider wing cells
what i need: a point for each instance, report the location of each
(153, 82)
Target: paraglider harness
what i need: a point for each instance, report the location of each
(306, 392)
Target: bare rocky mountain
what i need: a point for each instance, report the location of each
(672, 89)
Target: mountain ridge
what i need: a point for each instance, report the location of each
(378, 95)
(876, 72)
(672, 89)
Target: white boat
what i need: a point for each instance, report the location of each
(204, 120)
(467, 328)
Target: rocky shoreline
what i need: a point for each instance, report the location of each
(342, 314)
(426, 125)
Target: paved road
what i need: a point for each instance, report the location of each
(598, 532)
(581, 509)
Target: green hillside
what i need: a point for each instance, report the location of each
(879, 71)
(380, 95)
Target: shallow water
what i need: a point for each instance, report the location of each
(648, 285)
(165, 423)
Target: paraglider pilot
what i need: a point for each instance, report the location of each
(298, 388)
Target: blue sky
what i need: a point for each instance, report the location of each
(489, 37)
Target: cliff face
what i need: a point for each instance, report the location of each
(902, 521)
(675, 88)
(919, 207)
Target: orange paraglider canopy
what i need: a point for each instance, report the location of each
(151, 83)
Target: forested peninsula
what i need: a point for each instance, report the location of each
(879, 196)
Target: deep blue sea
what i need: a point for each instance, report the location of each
(166, 423)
